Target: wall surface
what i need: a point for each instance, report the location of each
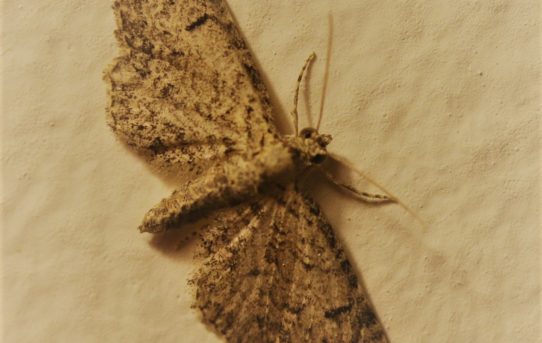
(437, 100)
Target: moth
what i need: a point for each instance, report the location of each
(185, 92)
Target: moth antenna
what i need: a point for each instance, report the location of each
(296, 96)
(326, 71)
(391, 196)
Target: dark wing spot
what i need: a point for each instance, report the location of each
(368, 317)
(338, 311)
(254, 272)
(345, 265)
(157, 147)
(253, 74)
(307, 266)
(166, 90)
(200, 21)
(294, 310)
(353, 281)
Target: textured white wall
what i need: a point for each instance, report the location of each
(439, 101)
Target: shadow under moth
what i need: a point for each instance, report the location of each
(185, 92)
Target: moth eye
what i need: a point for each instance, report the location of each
(306, 132)
(319, 158)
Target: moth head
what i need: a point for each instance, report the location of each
(312, 145)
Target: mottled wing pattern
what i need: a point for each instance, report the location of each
(275, 272)
(185, 90)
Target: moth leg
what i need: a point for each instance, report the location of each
(364, 196)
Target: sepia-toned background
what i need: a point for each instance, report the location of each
(437, 100)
